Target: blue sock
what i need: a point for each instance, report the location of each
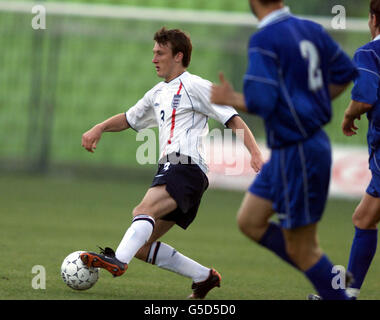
(321, 277)
(273, 239)
(363, 250)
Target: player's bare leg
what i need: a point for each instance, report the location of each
(140, 241)
(254, 215)
(367, 213)
(302, 246)
(156, 202)
(254, 221)
(166, 257)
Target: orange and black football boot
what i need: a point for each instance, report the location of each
(105, 259)
(200, 289)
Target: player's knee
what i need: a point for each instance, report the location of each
(363, 221)
(141, 209)
(137, 210)
(303, 255)
(242, 226)
(249, 228)
(241, 222)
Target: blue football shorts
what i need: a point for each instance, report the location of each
(373, 188)
(186, 183)
(296, 180)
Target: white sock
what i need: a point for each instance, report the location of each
(135, 237)
(166, 257)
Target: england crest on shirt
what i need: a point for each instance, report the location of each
(176, 100)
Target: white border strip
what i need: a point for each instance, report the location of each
(162, 14)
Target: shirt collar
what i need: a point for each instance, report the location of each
(377, 38)
(183, 74)
(274, 16)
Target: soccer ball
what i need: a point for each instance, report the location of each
(76, 274)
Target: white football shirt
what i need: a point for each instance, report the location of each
(180, 109)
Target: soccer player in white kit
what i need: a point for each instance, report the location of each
(180, 107)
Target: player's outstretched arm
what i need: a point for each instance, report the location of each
(224, 94)
(353, 112)
(237, 123)
(114, 124)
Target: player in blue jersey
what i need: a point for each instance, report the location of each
(294, 71)
(366, 99)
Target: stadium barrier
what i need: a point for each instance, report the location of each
(350, 175)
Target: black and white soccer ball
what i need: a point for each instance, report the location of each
(76, 274)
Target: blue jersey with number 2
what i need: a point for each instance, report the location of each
(367, 87)
(291, 63)
(367, 90)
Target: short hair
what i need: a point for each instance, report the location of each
(374, 8)
(179, 40)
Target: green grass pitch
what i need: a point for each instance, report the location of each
(43, 219)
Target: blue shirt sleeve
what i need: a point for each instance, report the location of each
(366, 85)
(261, 83)
(341, 69)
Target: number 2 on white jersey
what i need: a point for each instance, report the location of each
(310, 52)
(162, 114)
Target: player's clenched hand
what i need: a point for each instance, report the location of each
(222, 93)
(91, 138)
(348, 126)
